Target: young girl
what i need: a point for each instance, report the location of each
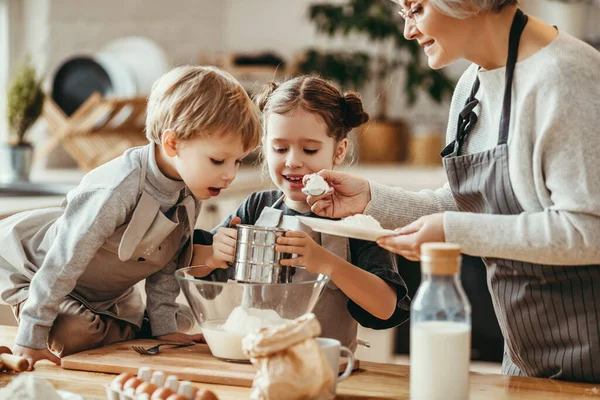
(306, 122)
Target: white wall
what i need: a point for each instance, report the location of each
(53, 30)
(586, 17)
(181, 27)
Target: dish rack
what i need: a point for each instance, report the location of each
(98, 131)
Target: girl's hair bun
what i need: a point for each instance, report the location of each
(352, 110)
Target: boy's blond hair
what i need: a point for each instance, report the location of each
(201, 101)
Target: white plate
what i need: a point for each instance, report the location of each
(68, 395)
(339, 229)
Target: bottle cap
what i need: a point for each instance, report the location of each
(440, 258)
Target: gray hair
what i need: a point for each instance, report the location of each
(463, 8)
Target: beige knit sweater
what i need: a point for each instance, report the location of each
(554, 162)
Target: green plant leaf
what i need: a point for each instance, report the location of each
(25, 101)
(378, 21)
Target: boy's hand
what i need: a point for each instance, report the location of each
(311, 256)
(224, 245)
(34, 355)
(182, 338)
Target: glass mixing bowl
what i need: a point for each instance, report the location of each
(228, 311)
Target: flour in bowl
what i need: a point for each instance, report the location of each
(361, 221)
(225, 339)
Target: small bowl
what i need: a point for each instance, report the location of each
(212, 304)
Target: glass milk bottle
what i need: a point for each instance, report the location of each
(440, 328)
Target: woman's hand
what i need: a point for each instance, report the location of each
(224, 246)
(311, 256)
(182, 338)
(34, 355)
(408, 240)
(348, 195)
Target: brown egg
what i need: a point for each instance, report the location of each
(120, 380)
(161, 393)
(204, 394)
(145, 387)
(194, 392)
(177, 397)
(4, 349)
(132, 383)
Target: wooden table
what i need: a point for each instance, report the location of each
(373, 381)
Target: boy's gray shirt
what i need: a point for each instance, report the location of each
(45, 252)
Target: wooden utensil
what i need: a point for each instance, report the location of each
(10, 361)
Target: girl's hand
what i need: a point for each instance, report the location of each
(409, 239)
(348, 195)
(310, 255)
(34, 355)
(182, 338)
(224, 246)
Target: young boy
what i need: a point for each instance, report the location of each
(69, 272)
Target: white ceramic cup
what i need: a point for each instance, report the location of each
(332, 349)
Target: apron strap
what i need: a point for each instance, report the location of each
(516, 30)
(467, 117)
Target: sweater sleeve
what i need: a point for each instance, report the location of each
(88, 220)
(565, 146)
(162, 290)
(396, 207)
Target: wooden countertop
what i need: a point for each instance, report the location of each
(373, 381)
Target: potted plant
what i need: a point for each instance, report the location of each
(377, 21)
(24, 107)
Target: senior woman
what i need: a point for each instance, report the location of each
(523, 191)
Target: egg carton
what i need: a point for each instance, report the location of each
(152, 385)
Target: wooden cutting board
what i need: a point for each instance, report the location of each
(194, 363)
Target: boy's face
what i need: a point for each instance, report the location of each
(296, 145)
(209, 165)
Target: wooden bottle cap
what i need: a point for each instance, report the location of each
(440, 258)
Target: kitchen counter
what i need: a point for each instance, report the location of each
(373, 381)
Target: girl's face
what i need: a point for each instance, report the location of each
(296, 145)
(443, 38)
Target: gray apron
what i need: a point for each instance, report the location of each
(548, 314)
(137, 249)
(332, 307)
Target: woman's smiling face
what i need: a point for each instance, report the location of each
(444, 38)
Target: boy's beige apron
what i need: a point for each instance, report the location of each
(548, 314)
(147, 243)
(332, 307)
